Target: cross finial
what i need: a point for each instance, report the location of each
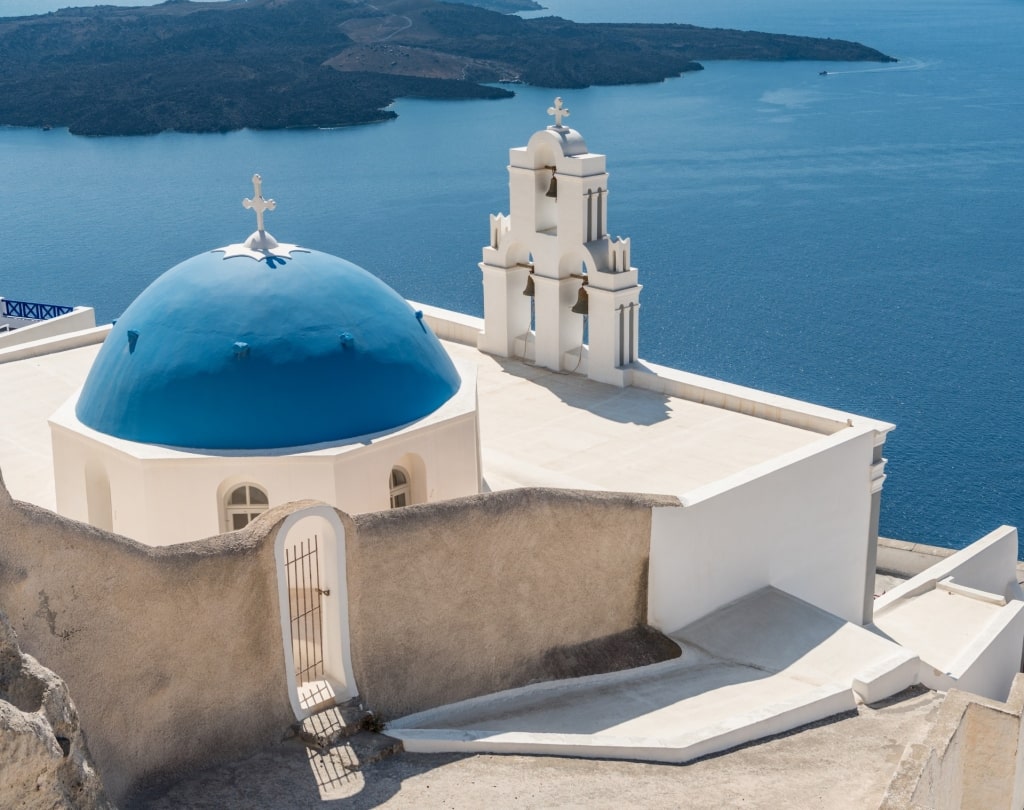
(558, 111)
(257, 203)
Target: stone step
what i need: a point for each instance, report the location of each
(335, 724)
(368, 747)
(356, 751)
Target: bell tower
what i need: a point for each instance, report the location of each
(550, 266)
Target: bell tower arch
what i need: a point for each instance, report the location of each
(553, 249)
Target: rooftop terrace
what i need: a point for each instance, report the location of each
(538, 428)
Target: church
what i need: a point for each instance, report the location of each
(480, 527)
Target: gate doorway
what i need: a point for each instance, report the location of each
(305, 609)
(310, 553)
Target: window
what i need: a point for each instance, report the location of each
(399, 488)
(244, 504)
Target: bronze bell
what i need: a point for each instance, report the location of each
(582, 305)
(553, 188)
(528, 289)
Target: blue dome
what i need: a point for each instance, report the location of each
(238, 354)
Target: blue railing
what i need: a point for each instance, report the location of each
(33, 312)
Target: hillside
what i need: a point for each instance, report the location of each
(270, 64)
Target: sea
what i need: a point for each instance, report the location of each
(853, 239)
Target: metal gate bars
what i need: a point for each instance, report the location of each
(302, 569)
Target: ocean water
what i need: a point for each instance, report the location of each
(853, 239)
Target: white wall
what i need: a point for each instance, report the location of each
(78, 319)
(988, 666)
(988, 564)
(161, 496)
(800, 524)
(991, 656)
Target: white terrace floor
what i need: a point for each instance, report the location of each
(542, 428)
(538, 428)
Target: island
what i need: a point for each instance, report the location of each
(504, 6)
(272, 64)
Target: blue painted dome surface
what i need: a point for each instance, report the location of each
(233, 353)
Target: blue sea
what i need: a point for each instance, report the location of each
(854, 239)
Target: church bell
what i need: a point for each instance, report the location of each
(582, 305)
(553, 188)
(528, 289)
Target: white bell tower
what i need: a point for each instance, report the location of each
(554, 247)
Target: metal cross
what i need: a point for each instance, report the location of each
(257, 203)
(558, 111)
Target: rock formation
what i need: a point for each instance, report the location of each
(44, 762)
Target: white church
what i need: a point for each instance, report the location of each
(481, 493)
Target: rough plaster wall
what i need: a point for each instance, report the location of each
(174, 655)
(990, 758)
(466, 597)
(969, 760)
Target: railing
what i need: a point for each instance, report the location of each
(33, 312)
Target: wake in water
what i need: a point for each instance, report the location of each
(907, 64)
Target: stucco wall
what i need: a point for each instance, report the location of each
(458, 599)
(78, 319)
(971, 759)
(990, 662)
(989, 652)
(169, 496)
(173, 656)
(800, 524)
(988, 564)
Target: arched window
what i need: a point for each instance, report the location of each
(399, 487)
(243, 504)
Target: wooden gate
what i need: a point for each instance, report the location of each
(305, 613)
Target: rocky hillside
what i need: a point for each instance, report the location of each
(269, 64)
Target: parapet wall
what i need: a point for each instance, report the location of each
(494, 591)
(972, 758)
(175, 658)
(79, 319)
(38, 345)
(460, 328)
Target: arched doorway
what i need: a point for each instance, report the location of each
(313, 597)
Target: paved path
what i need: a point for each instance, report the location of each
(844, 764)
(760, 665)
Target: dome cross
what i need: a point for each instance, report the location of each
(559, 112)
(257, 203)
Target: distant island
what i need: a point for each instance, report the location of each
(272, 64)
(504, 6)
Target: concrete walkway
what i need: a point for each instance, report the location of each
(842, 764)
(760, 666)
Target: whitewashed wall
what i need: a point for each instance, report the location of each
(78, 319)
(800, 524)
(161, 496)
(990, 654)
